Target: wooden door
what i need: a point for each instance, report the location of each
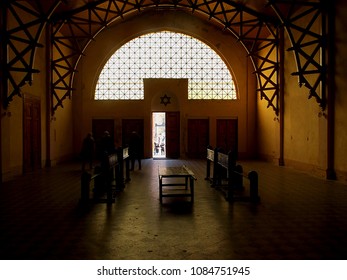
(31, 135)
(198, 137)
(130, 125)
(99, 126)
(173, 134)
(227, 135)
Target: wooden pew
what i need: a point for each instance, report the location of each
(106, 179)
(228, 177)
(123, 167)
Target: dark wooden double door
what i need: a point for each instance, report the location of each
(198, 137)
(227, 135)
(199, 133)
(173, 135)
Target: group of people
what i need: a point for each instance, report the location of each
(106, 147)
(159, 145)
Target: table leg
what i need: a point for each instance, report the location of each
(191, 183)
(160, 189)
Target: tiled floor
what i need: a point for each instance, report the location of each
(299, 217)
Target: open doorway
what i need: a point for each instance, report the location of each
(159, 134)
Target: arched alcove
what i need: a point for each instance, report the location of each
(99, 51)
(165, 54)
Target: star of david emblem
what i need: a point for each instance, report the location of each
(165, 100)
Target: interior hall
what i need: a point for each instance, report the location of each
(103, 100)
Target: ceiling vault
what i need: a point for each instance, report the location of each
(72, 30)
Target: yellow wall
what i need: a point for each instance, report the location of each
(305, 135)
(86, 108)
(12, 120)
(304, 130)
(305, 124)
(59, 126)
(268, 130)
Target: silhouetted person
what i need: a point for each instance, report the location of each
(87, 151)
(135, 149)
(106, 148)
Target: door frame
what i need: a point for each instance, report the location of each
(170, 132)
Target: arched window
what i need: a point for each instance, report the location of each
(165, 55)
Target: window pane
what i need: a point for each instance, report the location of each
(165, 55)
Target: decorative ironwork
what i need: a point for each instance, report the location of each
(73, 31)
(165, 54)
(256, 32)
(21, 31)
(305, 23)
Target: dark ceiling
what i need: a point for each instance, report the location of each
(258, 6)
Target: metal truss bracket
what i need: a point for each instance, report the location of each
(257, 33)
(22, 25)
(73, 31)
(306, 25)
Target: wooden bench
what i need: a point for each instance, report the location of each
(176, 182)
(228, 177)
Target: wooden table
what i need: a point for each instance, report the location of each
(176, 182)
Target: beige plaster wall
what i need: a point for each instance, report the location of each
(267, 136)
(86, 108)
(304, 130)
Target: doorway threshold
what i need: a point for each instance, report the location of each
(158, 158)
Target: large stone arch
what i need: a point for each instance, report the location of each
(99, 51)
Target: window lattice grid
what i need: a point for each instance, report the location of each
(165, 55)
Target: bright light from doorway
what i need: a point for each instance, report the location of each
(159, 135)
